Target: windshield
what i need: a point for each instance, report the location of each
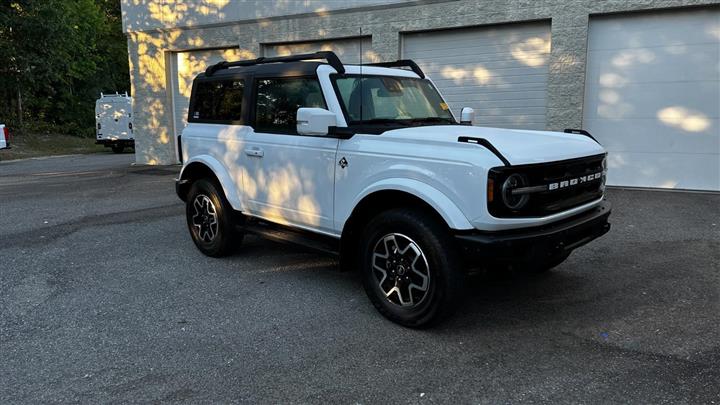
(392, 100)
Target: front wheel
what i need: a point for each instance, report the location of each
(210, 220)
(411, 271)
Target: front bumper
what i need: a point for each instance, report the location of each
(555, 238)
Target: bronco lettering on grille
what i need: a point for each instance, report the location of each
(575, 181)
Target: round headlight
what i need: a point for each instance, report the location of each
(514, 201)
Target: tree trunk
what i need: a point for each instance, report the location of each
(20, 108)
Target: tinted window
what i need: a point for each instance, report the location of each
(218, 101)
(391, 98)
(279, 99)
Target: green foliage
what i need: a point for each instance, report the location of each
(56, 56)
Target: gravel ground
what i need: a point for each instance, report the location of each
(104, 298)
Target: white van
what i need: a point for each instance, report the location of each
(4, 137)
(113, 121)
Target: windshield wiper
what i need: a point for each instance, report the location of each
(404, 121)
(432, 120)
(382, 121)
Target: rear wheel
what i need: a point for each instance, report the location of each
(118, 149)
(210, 219)
(410, 268)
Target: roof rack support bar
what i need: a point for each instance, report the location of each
(329, 56)
(401, 63)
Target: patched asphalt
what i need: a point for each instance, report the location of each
(104, 298)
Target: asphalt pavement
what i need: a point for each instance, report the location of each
(104, 299)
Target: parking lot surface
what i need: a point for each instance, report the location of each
(104, 298)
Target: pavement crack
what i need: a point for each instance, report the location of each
(650, 355)
(48, 234)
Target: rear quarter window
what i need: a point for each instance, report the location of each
(217, 101)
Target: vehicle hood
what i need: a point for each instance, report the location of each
(518, 146)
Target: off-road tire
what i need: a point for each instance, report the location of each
(443, 268)
(218, 237)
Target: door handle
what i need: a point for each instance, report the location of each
(255, 151)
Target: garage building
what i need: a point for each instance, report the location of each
(642, 76)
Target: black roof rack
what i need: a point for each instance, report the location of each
(329, 56)
(401, 63)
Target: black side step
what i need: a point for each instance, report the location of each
(283, 234)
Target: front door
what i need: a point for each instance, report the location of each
(290, 177)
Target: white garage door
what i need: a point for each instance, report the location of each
(652, 97)
(187, 65)
(347, 49)
(500, 71)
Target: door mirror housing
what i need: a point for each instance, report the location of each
(315, 121)
(467, 116)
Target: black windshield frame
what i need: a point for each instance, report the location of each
(378, 128)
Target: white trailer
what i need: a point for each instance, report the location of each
(113, 118)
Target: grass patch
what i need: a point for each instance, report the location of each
(33, 145)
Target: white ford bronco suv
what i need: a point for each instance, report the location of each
(368, 162)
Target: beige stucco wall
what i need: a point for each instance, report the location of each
(150, 49)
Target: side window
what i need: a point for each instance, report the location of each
(218, 101)
(278, 100)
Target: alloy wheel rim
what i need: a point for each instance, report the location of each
(401, 270)
(205, 218)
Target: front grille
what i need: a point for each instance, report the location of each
(550, 187)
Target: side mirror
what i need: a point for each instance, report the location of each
(315, 121)
(467, 116)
